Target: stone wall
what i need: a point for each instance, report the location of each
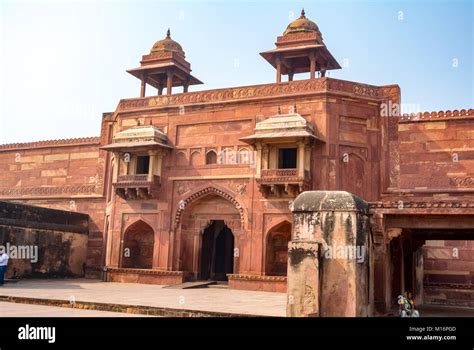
(441, 149)
(60, 174)
(43, 242)
(436, 161)
(449, 272)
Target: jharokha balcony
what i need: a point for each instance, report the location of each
(278, 182)
(139, 186)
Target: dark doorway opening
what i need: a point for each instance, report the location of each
(287, 158)
(143, 164)
(217, 252)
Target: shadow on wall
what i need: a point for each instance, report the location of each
(43, 242)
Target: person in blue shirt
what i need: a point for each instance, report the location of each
(3, 265)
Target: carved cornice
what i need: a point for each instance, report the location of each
(402, 204)
(51, 143)
(435, 285)
(462, 181)
(435, 116)
(50, 191)
(296, 37)
(308, 86)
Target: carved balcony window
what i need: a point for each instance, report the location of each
(138, 186)
(279, 182)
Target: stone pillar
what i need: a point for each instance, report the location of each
(169, 83)
(312, 65)
(258, 147)
(116, 166)
(186, 85)
(143, 87)
(402, 266)
(278, 72)
(290, 75)
(265, 157)
(159, 162)
(300, 159)
(382, 265)
(152, 165)
(418, 280)
(335, 224)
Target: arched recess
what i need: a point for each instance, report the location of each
(244, 156)
(276, 251)
(137, 248)
(195, 158)
(181, 159)
(211, 157)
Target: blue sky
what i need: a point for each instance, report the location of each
(62, 63)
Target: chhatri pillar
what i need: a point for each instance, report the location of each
(330, 267)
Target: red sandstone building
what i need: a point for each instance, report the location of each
(186, 186)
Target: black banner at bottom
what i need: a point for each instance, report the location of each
(26, 333)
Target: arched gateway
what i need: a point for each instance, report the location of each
(207, 238)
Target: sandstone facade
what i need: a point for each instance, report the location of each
(193, 185)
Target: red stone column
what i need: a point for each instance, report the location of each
(278, 72)
(290, 75)
(312, 66)
(169, 83)
(185, 85)
(143, 86)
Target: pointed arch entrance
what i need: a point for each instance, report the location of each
(217, 252)
(138, 243)
(207, 238)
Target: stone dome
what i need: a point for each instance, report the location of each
(302, 24)
(167, 45)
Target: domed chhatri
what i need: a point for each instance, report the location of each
(299, 50)
(302, 24)
(167, 45)
(164, 67)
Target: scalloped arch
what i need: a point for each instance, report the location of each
(183, 204)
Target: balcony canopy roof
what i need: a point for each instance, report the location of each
(138, 138)
(283, 126)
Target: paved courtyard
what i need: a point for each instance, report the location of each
(27, 310)
(202, 299)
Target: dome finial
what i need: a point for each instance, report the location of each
(168, 34)
(302, 13)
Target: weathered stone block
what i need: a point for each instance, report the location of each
(303, 279)
(339, 221)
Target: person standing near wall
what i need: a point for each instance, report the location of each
(3, 264)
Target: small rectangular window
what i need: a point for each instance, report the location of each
(143, 164)
(287, 158)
